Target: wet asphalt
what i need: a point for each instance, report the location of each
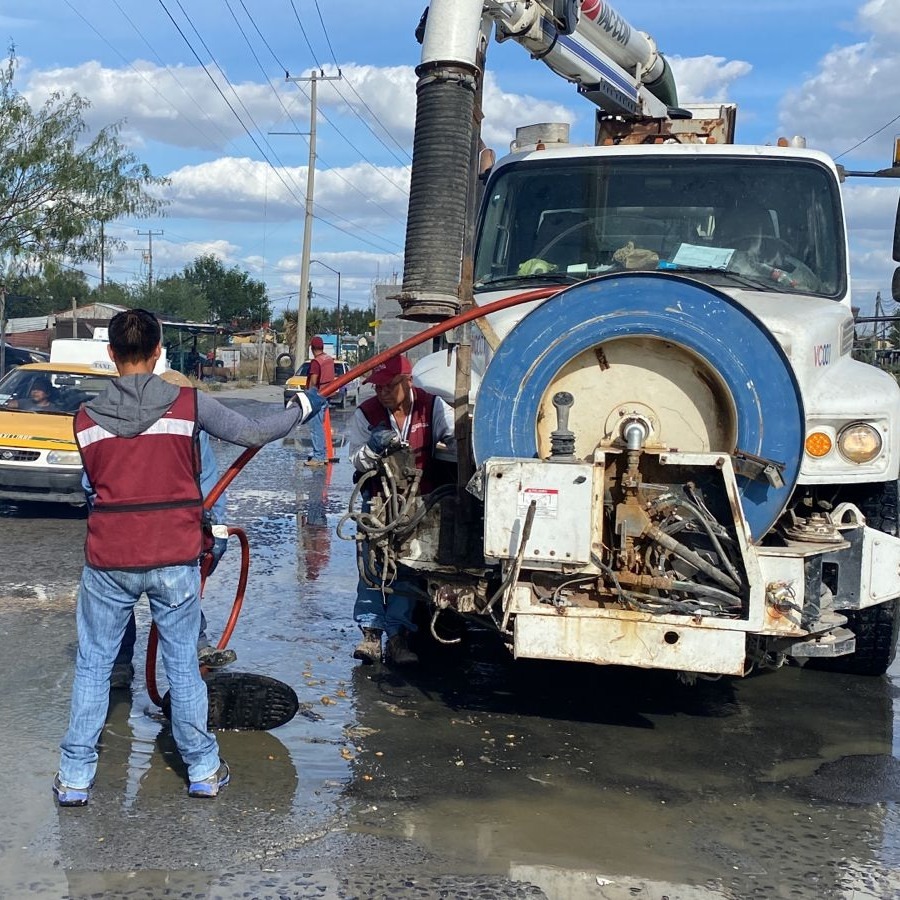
(472, 777)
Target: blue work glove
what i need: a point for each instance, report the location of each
(381, 439)
(310, 402)
(219, 546)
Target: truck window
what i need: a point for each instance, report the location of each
(583, 217)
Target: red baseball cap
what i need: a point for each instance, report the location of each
(386, 372)
(317, 343)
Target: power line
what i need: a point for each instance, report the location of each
(230, 85)
(366, 105)
(325, 31)
(227, 102)
(296, 126)
(143, 77)
(863, 141)
(312, 52)
(247, 130)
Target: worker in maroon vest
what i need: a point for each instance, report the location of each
(321, 373)
(139, 442)
(397, 414)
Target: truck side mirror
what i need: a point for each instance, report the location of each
(895, 285)
(897, 240)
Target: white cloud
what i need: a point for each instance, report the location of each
(854, 92)
(390, 93)
(706, 78)
(178, 105)
(240, 189)
(870, 224)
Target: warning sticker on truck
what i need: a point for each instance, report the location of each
(546, 502)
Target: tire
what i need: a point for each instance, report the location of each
(876, 627)
(285, 361)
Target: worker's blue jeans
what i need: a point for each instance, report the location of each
(390, 613)
(126, 650)
(105, 602)
(317, 434)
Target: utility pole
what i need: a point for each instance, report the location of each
(2, 329)
(300, 344)
(102, 257)
(150, 235)
(337, 349)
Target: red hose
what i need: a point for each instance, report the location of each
(153, 638)
(475, 312)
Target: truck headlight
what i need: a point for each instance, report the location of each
(64, 458)
(859, 442)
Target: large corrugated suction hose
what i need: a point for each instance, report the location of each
(438, 192)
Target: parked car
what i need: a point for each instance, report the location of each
(18, 356)
(39, 459)
(347, 394)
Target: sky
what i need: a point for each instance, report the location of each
(200, 90)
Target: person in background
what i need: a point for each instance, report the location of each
(321, 373)
(41, 397)
(138, 441)
(207, 655)
(398, 414)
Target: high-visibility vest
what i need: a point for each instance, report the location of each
(148, 504)
(418, 435)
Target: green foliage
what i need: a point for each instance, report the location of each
(56, 186)
(46, 292)
(174, 297)
(234, 298)
(115, 293)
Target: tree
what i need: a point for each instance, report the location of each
(234, 298)
(57, 187)
(48, 291)
(175, 297)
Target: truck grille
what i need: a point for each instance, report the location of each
(11, 454)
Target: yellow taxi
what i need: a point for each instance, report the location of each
(39, 459)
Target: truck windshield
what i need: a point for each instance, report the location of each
(760, 224)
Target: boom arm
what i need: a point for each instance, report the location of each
(584, 41)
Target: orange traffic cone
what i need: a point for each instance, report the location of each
(329, 444)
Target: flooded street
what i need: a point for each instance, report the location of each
(473, 776)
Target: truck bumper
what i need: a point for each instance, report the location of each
(590, 636)
(43, 485)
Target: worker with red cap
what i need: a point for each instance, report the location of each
(398, 415)
(321, 372)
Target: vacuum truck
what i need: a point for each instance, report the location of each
(669, 458)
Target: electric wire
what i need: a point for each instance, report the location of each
(144, 78)
(312, 52)
(256, 143)
(331, 170)
(227, 101)
(233, 91)
(869, 137)
(366, 105)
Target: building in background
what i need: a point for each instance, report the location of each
(391, 329)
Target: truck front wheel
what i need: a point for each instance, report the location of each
(876, 627)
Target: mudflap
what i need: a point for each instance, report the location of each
(244, 701)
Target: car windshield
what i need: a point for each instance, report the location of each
(59, 392)
(763, 224)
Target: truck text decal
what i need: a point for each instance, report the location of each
(822, 354)
(546, 502)
(607, 19)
